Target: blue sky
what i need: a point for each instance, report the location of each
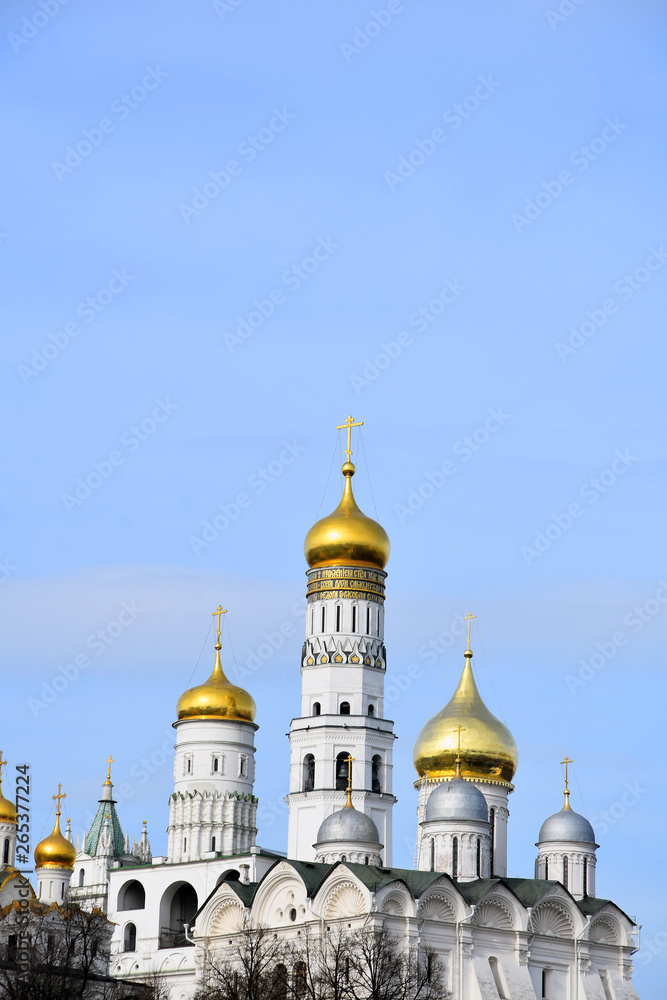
(226, 227)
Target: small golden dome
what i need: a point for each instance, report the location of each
(7, 807)
(347, 537)
(55, 851)
(488, 750)
(217, 698)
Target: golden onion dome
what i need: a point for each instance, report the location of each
(347, 537)
(7, 807)
(217, 698)
(55, 851)
(488, 750)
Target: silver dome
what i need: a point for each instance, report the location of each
(348, 826)
(457, 799)
(567, 825)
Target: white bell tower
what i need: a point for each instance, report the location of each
(213, 809)
(343, 665)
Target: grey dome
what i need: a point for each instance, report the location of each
(348, 826)
(567, 825)
(457, 799)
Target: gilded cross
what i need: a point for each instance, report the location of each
(349, 424)
(469, 617)
(110, 761)
(219, 611)
(567, 763)
(59, 796)
(458, 730)
(2, 764)
(348, 761)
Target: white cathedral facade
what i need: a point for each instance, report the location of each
(497, 938)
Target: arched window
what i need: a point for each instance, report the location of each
(338, 613)
(497, 978)
(566, 872)
(132, 896)
(317, 708)
(371, 709)
(344, 708)
(324, 618)
(455, 857)
(5, 852)
(368, 620)
(341, 771)
(212, 843)
(300, 979)
(479, 858)
(280, 983)
(308, 773)
(366, 860)
(343, 857)
(377, 627)
(354, 617)
(547, 983)
(376, 769)
(432, 854)
(130, 938)
(185, 843)
(177, 908)
(546, 868)
(82, 877)
(216, 763)
(585, 877)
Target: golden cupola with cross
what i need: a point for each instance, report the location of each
(217, 697)
(487, 748)
(56, 851)
(347, 537)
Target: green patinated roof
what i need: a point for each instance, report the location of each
(528, 891)
(95, 832)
